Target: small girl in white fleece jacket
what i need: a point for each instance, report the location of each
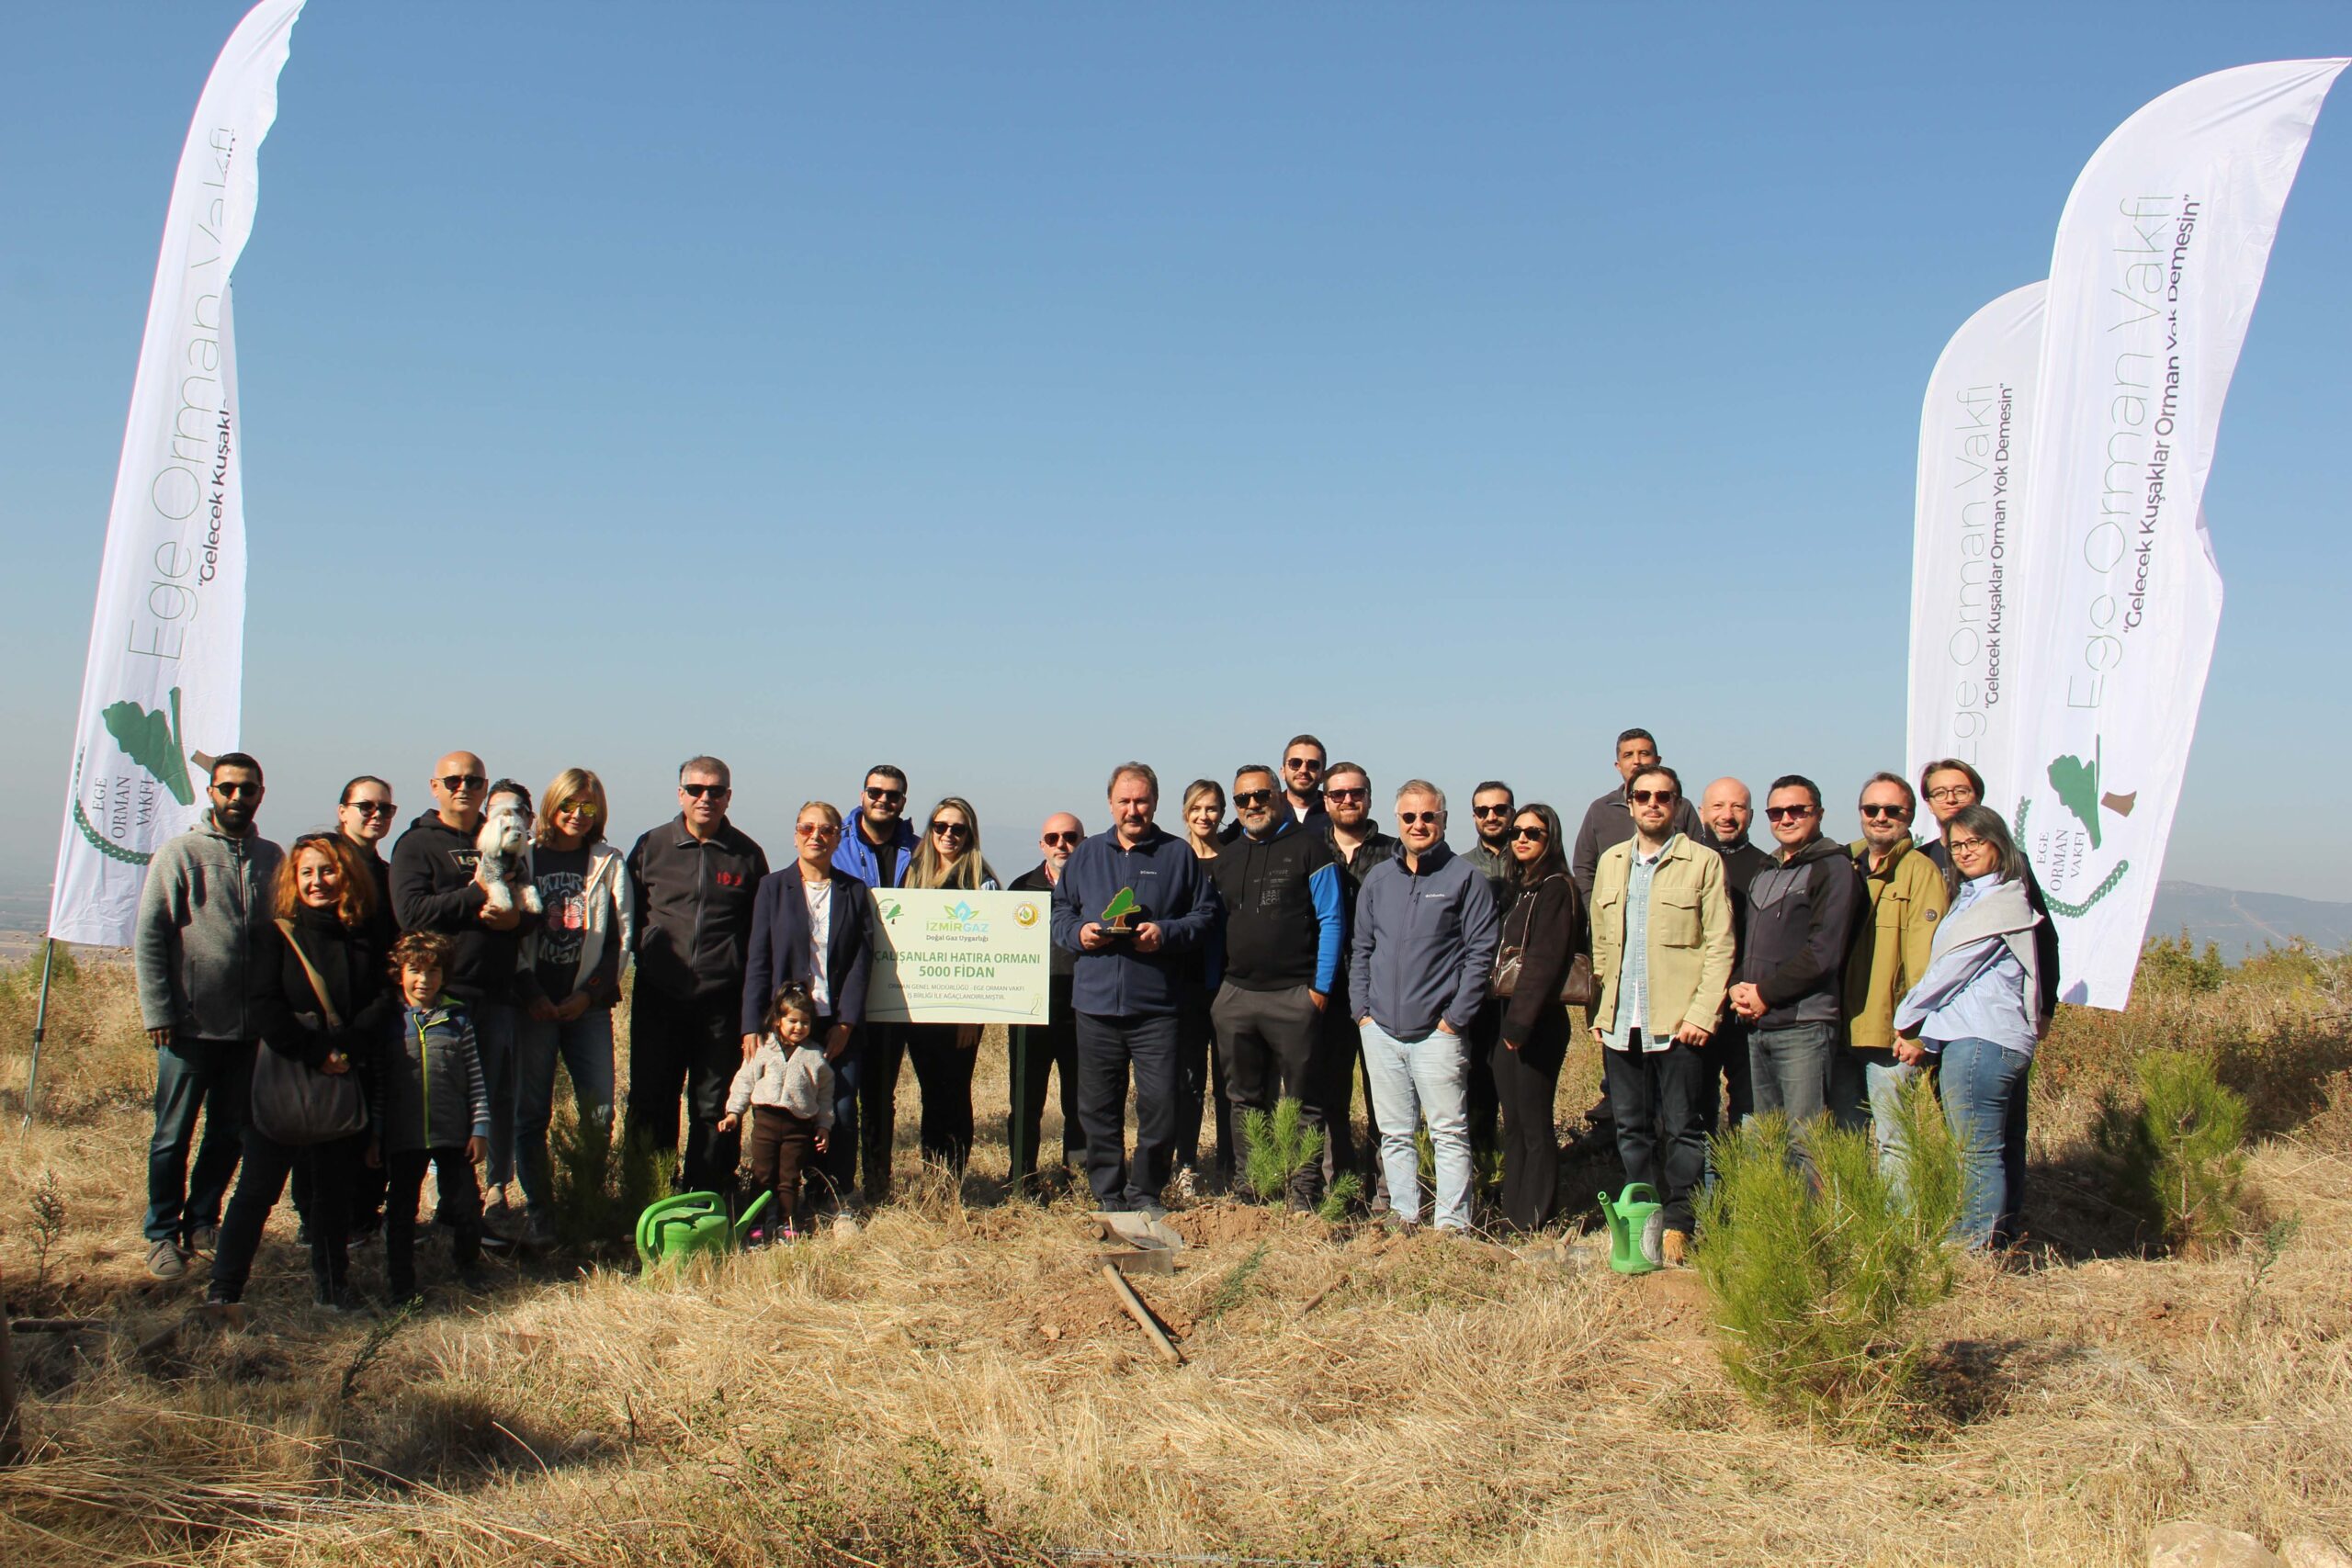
(786, 1086)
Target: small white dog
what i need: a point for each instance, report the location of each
(505, 835)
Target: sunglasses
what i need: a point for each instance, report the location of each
(815, 829)
(1059, 840)
(454, 783)
(1245, 798)
(889, 795)
(1410, 817)
(370, 808)
(952, 829)
(716, 790)
(1899, 812)
(1490, 811)
(1345, 794)
(1790, 813)
(1302, 764)
(577, 808)
(1530, 835)
(236, 791)
(1654, 797)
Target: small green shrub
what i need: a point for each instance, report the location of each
(2177, 1154)
(1280, 1145)
(2173, 963)
(1818, 1290)
(593, 1204)
(647, 1173)
(1340, 1199)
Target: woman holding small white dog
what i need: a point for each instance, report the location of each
(567, 978)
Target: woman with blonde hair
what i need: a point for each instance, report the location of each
(948, 857)
(568, 977)
(1201, 1079)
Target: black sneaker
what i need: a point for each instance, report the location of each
(474, 1279)
(341, 1298)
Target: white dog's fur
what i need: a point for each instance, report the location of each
(501, 871)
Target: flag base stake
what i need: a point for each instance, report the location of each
(41, 1028)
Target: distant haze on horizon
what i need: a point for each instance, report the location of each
(1005, 394)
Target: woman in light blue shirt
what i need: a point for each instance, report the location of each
(1978, 1007)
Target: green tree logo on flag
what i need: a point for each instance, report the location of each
(2076, 782)
(154, 742)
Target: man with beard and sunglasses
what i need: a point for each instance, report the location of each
(1278, 954)
(877, 845)
(202, 934)
(697, 880)
(1894, 940)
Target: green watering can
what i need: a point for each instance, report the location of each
(691, 1224)
(1635, 1229)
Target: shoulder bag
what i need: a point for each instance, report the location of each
(298, 1105)
(1575, 983)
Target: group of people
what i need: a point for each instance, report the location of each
(1287, 953)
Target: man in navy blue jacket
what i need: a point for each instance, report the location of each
(1280, 955)
(1124, 988)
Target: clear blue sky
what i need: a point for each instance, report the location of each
(1007, 390)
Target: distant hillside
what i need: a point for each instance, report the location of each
(2241, 923)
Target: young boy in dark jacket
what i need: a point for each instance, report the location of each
(431, 1109)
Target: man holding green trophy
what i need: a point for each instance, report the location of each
(1128, 903)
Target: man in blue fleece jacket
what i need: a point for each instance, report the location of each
(1125, 986)
(1423, 954)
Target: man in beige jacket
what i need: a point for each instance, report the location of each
(1892, 944)
(1662, 948)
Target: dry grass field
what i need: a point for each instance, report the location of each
(955, 1383)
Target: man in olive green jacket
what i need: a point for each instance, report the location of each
(1662, 949)
(1892, 941)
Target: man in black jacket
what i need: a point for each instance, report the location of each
(1051, 1049)
(697, 879)
(1728, 810)
(1609, 821)
(433, 890)
(1357, 845)
(1280, 953)
(1789, 989)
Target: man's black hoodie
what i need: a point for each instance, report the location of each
(1801, 917)
(433, 890)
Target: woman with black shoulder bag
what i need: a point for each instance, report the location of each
(323, 1003)
(1540, 969)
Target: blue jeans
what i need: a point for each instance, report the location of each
(215, 1076)
(1985, 1093)
(496, 1027)
(585, 1045)
(1788, 1070)
(1410, 1079)
(1870, 1088)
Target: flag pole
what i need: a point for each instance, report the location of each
(41, 1028)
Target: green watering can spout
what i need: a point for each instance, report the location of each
(1631, 1218)
(744, 1225)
